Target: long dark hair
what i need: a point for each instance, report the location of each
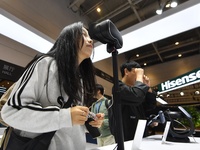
(65, 52)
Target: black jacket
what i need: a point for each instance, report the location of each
(136, 103)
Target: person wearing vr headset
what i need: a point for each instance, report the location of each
(55, 91)
(136, 97)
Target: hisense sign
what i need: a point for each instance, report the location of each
(181, 81)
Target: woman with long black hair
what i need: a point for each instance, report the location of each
(54, 92)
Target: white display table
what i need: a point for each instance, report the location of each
(155, 143)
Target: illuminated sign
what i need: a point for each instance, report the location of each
(181, 81)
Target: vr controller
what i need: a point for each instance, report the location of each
(92, 116)
(160, 118)
(94, 131)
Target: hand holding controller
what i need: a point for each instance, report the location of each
(94, 131)
(92, 116)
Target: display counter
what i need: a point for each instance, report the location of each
(155, 143)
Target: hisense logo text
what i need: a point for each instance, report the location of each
(180, 81)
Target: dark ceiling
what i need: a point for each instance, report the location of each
(126, 13)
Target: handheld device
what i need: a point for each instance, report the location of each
(94, 131)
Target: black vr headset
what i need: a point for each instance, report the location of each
(107, 33)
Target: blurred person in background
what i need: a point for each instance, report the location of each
(99, 106)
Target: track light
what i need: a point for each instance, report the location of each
(167, 4)
(182, 93)
(173, 3)
(159, 11)
(197, 92)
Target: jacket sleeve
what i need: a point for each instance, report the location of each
(133, 95)
(29, 108)
(149, 103)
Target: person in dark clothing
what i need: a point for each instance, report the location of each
(136, 96)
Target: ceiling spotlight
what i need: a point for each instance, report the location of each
(159, 11)
(173, 4)
(98, 10)
(182, 93)
(197, 92)
(137, 55)
(167, 5)
(179, 55)
(177, 43)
